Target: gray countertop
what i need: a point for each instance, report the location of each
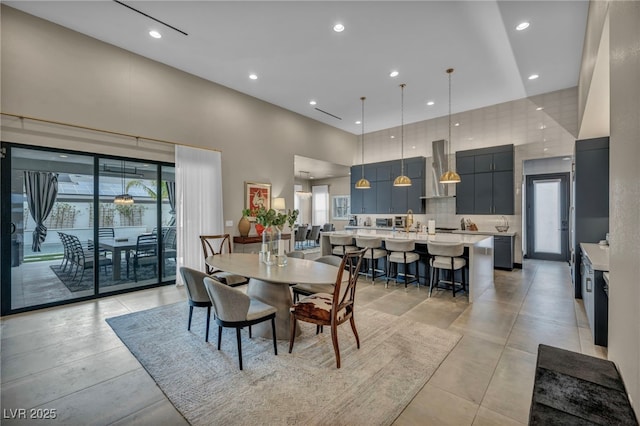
(597, 254)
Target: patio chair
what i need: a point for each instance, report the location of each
(146, 254)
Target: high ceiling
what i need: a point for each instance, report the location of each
(292, 48)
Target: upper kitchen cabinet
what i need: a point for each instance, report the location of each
(383, 197)
(486, 185)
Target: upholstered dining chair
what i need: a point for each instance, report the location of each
(217, 244)
(446, 256)
(300, 236)
(331, 309)
(234, 309)
(197, 292)
(313, 236)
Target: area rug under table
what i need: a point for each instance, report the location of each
(376, 382)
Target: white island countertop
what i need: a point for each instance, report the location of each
(597, 254)
(419, 237)
(494, 233)
(480, 250)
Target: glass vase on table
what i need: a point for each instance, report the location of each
(270, 245)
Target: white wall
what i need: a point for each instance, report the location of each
(51, 72)
(624, 208)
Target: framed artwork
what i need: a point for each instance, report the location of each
(257, 195)
(340, 207)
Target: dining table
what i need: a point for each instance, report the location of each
(270, 283)
(117, 246)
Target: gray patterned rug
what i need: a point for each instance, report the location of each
(376, 382)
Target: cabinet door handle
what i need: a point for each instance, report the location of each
(589, 285)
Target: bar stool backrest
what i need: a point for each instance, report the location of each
(340, 240)
(397, 244)
(445, 249)
(369, 242)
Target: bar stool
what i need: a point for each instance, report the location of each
(446, 256)
(373, 253)
(401, 251)
(341, 244)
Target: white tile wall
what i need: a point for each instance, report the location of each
(517, 122)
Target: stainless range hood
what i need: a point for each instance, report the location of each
(438, 167)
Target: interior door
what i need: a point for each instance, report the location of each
(548, 216)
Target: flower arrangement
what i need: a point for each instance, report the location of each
(267, 218)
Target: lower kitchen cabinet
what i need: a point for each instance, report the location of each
(503, 252)
(596, 301)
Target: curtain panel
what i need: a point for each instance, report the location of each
(198, 203)
(42, 190)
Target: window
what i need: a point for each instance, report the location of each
(340, 207)
(320, 204)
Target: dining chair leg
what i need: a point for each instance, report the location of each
(206, 337)
(273, 332)
(293, 332)
(239, 347)
(219, 336)
(355, 332)
(334, 339)
(190, 315)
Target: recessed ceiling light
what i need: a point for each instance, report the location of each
(457, 124)
(393, 74)
(312, 102)
(413, 147)
(430, 103)
(253, 76)
(546, 149)
(155, 34)
(542, 127)
(522, 26)
(393, 137)
(539, 109)
(311, 177)
(358, 122)
(533, 76)
(338, 28)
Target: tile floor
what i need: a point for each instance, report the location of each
(68, 358)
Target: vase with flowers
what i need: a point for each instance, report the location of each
(272, 222)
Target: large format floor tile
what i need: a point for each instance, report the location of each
(68, 358)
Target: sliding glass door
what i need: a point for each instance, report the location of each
(71, 235)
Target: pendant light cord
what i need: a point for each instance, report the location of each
(402, 129)
(449, 71)
(362, 134)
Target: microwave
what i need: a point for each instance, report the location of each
(383, 221)
(399, 221)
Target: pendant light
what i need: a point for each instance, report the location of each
(450, 176)
(402, 180)
(124, 198)
(363, 183)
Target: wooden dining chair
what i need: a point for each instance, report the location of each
(331, 309)
(213, 245)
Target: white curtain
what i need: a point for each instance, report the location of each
(320, 204)
(198, 203)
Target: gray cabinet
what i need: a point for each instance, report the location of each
(383, 197)
(591, 198)
(486, 185)
(503, 252)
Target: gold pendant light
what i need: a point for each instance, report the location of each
(363, 183)
(402, 180)
(450, 176)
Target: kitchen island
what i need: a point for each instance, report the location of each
(480, 249)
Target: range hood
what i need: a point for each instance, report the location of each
(435, 189)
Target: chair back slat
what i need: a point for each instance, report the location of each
(213, 245)
(343, 298)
